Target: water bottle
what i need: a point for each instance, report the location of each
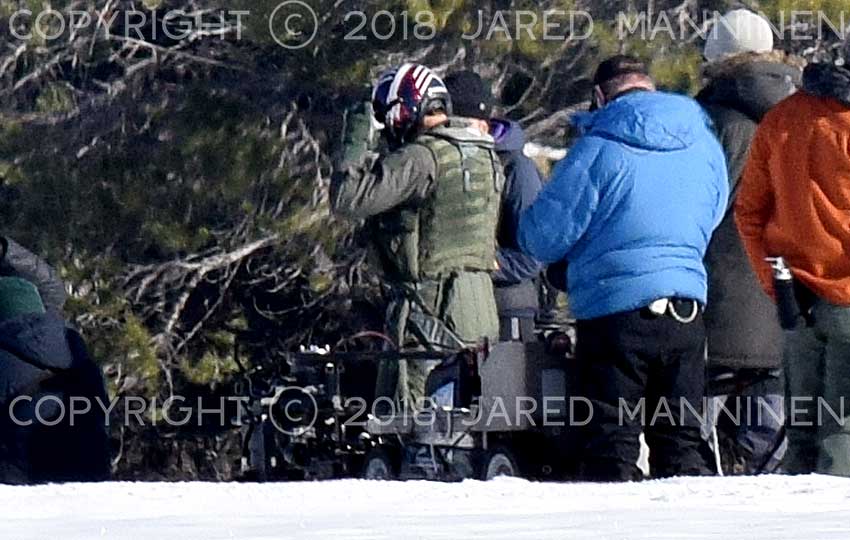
(787, 306)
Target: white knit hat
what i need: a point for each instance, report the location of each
(738, 31)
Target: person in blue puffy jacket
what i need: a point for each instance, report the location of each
(632, 209)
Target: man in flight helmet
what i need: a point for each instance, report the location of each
(431, 200)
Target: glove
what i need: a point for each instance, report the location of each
(361, 134)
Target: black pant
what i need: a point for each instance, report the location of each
(637, 357)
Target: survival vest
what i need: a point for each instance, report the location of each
(455, 229)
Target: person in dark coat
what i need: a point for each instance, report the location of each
(793, 203)
(745, 79)
(52, 428)
(514, 280)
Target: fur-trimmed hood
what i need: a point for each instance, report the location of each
(828, 80)
(751, 83)
(730, 66)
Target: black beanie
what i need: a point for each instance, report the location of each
(471, 96)
(619, 65)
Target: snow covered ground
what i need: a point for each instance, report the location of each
(724, 508)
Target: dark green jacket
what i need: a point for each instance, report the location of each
(425, 229)
(385, 190)
(740, 319)
(364, 186)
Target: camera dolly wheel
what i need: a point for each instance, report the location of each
(500, 461)
(379, 465)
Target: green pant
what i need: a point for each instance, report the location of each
(817, 390)
(466, 305)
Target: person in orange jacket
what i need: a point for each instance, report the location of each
(794, 202)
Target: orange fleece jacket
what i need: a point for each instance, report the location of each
(794, 198)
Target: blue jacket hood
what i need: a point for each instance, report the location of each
(508, 135)
(633, 205)
(654, 121)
